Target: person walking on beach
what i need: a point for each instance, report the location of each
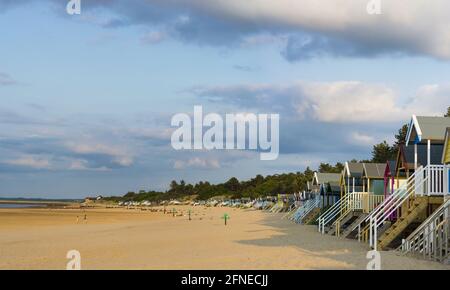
(85, 218)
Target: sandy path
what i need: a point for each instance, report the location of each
(132, 239)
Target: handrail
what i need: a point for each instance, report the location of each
(437, 213)
(332, 212)
(308, 208)
(391, 198)
(384, 211)
(426, 245)
(424, 239)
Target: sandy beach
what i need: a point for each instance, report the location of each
(35, 238)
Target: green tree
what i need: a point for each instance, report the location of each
(232, 184)
(382, 152)
(448, 112)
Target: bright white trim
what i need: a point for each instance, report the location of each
(347, 168)
(415, 156)
(315, 177)
(413, 124)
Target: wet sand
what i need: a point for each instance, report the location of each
(33, 238)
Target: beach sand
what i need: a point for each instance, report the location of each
(133, 239)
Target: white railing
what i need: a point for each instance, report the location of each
(438, 180)
(306, 208)
(354, 201)
(431, 238)
(388, 202)
(393, 202)
(330, 214)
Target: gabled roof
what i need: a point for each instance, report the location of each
(374, 170)
(322, 178)
(446, 145)
(390, 168)
(406, 155)
(332, 187)
(353, 169)
(423, 128)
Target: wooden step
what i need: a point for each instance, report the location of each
(396, 229)
(349, 229)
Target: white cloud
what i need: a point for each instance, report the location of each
(361, 138)
(82, 165)
(153, 37)
(119, 156)
(31, 161)
(340, 102)
(348, 102)
(196, 162)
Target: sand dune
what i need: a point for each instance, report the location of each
(134, 239)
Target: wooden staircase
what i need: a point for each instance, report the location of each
(340, 222)
(418, 207)
(431, 240)
(352, 227)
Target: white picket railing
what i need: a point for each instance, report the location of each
(330, 214)
(431, 238)
(353, 201)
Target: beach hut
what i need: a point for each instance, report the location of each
(431, 240)
(351, 179)
(373, 178)
(324, 191)
(367, 191)
(424, 189)
(426, 130)
(329, 188)
(411, 157)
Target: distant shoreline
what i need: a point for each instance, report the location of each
(38, 203)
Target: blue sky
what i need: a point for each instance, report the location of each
(86, 100)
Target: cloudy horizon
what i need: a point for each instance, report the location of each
(87, 99)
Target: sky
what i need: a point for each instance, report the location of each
(86, 100)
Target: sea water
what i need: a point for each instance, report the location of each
(17, 205)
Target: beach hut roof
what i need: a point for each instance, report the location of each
(406, 155)
(423, 128)
(353, 169)
(374, 170)
(322, 178)
(390, 168)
